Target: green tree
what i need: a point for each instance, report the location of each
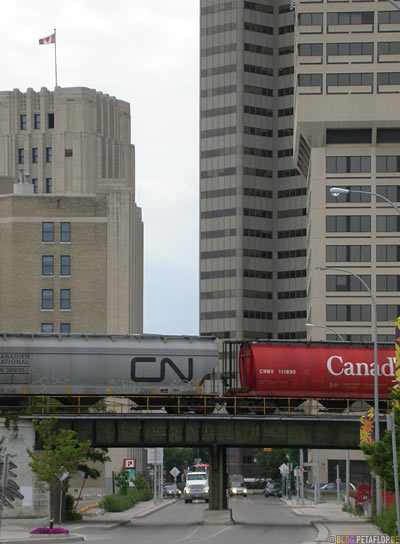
(268, 463)
(182, 457)
(121, 478)
(61, 454)
(380, 454)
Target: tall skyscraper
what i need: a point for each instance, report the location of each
(253, 201)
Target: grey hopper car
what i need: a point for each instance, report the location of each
(100, 365)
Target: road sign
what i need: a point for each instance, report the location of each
(129, 463)
(284, 469)
(174, 472)
(155, 456)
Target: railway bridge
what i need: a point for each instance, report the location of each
(217, 432)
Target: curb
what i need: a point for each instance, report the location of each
(49, 539)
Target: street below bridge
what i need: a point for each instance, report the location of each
(259, 519)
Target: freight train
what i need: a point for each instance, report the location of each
(334, 372)
(147, 367)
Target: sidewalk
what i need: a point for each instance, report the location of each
(331, 521)
(17, 530)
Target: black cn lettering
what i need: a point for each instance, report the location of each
(164, 362)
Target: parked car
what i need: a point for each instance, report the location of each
(237, 488)
(332, 486)
(272, 489)
(170, 491)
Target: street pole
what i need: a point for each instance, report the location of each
(347, 501)
(376, 367)
(301, 476)
(391, 427)
(4, 484)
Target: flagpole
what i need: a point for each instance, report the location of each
(55, 54)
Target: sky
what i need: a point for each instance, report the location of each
(146, 53)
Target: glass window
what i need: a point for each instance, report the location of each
(388, 163)
(35, 155)
(47, 232)
(49, 185)
(47, 299)
(65, 328)
(47, 327)
(65, 232)
(387, 312)
(47, 265)
(35, 185)
(65, 299)
(388, 223)
(50, 120)
(388, 253)
(36, 120)
(65, 265)
(49, 154)
(22, 122)
(389, 282)
(21, 155)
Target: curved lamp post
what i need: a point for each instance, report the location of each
(341, 337)
(376, 368)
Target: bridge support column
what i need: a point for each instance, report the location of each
(218, 477)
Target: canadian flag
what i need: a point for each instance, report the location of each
(48, 39)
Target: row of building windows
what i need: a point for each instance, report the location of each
(362, 164)
(362, 253)
(346, 18)
(253, 151)
(346, 282)
(48, 231)
(299, 314)
(292, 253)
(348, 49)
(297, 212)
(224, 253)
(384, 80)
(247, 171)
(48, 299)
(65, 328)
(292, 294)
(48, 185)
(230, 293)
(361, 312)
(362, 223)
(35, 155)
(229, 314)
(48, 265)
(23, 121)
(392, 192)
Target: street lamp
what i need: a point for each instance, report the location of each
(341, 337)
(376, 368)
(336, 191)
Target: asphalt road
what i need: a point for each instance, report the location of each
(259, 520)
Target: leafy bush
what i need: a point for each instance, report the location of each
(387, 521)
(118, 503)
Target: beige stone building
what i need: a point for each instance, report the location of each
(72, 242)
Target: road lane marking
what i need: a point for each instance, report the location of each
(212, 536)
(189, 535)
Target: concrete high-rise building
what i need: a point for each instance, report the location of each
(71, 235)
(347, 133)
(253, 262)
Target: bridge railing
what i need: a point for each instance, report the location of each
(178, 405)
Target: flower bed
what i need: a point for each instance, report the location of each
(48, 531)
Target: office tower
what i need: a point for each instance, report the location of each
(71, 234)
(252, 198)
(347, 133)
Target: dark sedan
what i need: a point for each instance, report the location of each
(272, 489)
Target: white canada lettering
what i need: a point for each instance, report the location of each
(329, 365)
(336, 367)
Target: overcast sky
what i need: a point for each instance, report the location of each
(144, 52)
